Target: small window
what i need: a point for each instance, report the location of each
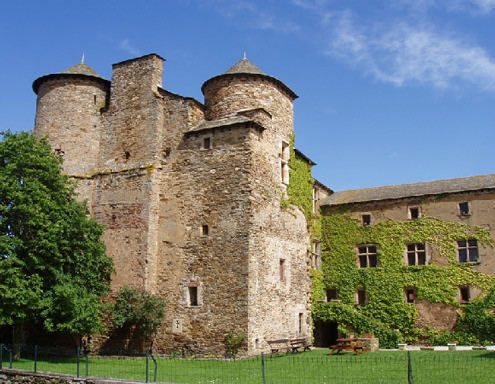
(300, 321)
(366, 220)
(464, 294)
(367, 256)
(361, 297)
(416, 254)
(467, 251)
(282, 269)
(206, 143)
(284, 162)
(193, 296)
(414, 213)
(410, 294)
(464, 209)
(205, 231)
(332, 294)
(94, 99)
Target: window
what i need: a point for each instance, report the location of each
(367, 256)
(410, 294)
(316, 255)
(284, 162)
(464, 294)
(361, 297)
(416, 254)
(332, 294)
(467, 251)
(282, 269)
(366, 220)
(193, 296)
(205, 230)
(206, 143)
(464, 209)
(300, 318)
(414, 213)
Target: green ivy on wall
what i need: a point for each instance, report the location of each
(386, 313)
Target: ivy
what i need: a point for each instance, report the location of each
(387, 314)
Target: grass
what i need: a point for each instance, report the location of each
(308, 367)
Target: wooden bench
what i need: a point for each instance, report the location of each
(295, 344)
(279, 345)
(348, 345)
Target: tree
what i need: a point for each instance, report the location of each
(144, 312)
(53, 267)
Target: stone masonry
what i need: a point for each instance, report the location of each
(190, 195)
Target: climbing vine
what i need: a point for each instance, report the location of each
(386, 313)
(300, 188)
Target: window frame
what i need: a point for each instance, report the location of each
(366, 255)
(468, 249)
(408, 292)
(206, 143)
(357, 297)
(410, 214)
(462, 212)
(462, 298)
(327, 295)
(365, 219)
(416, 252)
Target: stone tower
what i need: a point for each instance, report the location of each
(190, 195)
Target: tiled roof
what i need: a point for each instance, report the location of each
(391, 192)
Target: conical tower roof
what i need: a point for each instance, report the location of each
(246, 67)
(80, 70)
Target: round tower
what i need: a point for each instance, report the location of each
(244, 88)
(68, 111)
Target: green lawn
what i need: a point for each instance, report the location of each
(309, 367)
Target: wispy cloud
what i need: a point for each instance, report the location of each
(126, 46)
(406, 54)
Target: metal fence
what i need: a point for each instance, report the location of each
(306, 367)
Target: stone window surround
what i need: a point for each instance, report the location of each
(188, 287)
(206, 143)
(284, 162)
(414, 212)
(204, 230)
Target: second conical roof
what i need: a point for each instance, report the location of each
(245, 66)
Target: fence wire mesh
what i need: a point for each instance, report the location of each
(306, 367)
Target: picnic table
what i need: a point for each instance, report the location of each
(350, 344)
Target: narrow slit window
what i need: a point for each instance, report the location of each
(206, 143)
(361, 297)
(282, 269)
(205, 230)
(193, 296)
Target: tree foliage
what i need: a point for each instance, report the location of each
(144, 311)
(53, 267)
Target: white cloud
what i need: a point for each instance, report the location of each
(126, 46)
(403, 54)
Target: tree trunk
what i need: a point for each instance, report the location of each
(16, 341)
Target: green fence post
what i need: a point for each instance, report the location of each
(1, 355)
(10, 358)
(35, 357)
(410, 378)
(263, 367)
(147, 366)
(78, 353)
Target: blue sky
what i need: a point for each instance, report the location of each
(391, 92)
